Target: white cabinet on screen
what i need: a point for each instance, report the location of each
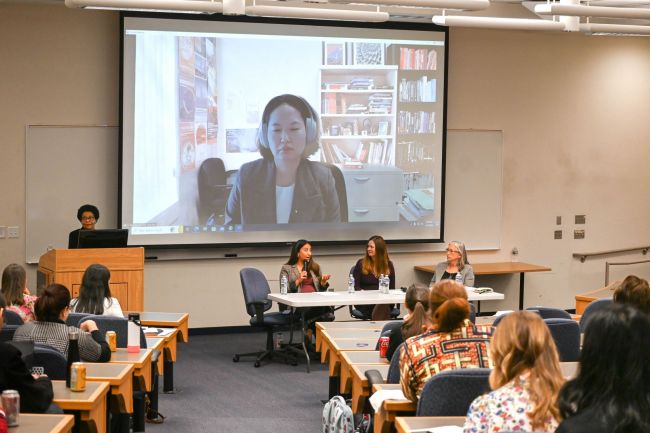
(374, 192)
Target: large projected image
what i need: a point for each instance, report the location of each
(236, 133)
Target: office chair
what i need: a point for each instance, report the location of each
(256, 290)
(550, 312)
(341, 191)
(117, 324)
(213, 191)
(74, 318)
(566, 334)
(12, 318)
(53, 362)
(594, 306)
(451, 392)
(7, 332)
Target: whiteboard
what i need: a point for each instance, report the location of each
(65, 167)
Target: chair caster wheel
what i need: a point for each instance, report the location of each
(257, 364)
(235, 358)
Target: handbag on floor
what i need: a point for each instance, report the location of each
(337, 416)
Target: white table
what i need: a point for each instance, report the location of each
(361, 297)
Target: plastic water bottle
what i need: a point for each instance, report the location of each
(283, 285)
(459, 278)
(133, 342)
(380, 280)
(351, 284)
(386, 284)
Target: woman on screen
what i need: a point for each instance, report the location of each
(284, 186)
(526, 379)
(304, 275)
(366, 276)
(16, 293)
(95, 294)
(88, 215)
(456, 263)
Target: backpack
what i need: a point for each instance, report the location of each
(337, 416)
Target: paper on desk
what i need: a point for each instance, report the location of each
(386, 394)
(157, 332)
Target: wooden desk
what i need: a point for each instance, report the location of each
(141, 362)
(38, 423)
(585, 299)
(179, 321)
(120, 377)
(356, 324)
(408, 424)
(360, 385)
(350, 358)
(168, 358)
(157, 344)
(391, 409)
(331, 347)
(498, 268)
(91, 403)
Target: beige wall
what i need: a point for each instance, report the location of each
(574, 112)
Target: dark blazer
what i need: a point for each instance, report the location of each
(252, 198)
(73, 239)
(35, 394)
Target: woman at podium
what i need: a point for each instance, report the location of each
(88, 215)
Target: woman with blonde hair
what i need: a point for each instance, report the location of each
(526, 379)
(424, 355)
(367, 272)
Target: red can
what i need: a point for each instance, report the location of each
(383, 346)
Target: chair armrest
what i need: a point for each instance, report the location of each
(259, 311)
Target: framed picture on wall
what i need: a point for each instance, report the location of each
(368, 53)
(334, 53)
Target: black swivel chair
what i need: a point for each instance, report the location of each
(341, 191)
(213, 191)
(12, 318)
(256, 290)
(74, 318)
(7, 332)
(451, 392)
(594, 306)
(53, 362)
(566, 334)
(550, 312)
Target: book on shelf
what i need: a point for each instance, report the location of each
(416, 122)
(421, 90)
(418, 59)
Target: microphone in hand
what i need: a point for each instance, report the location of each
(305, 266)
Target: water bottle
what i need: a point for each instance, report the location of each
(386, 284)
(133, 344)
(73, 354)
(380, 280)
(351, 284)
(278, 341)
(459, 278)
(283, 285)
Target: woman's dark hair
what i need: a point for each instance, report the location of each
(309, 117)
(614, 376)
(14, 279)
(52, 301)
(94, 289)
(3, 303)
(449, 306)
(88, 208)
(634, 291)
(417, 301)
(293, 258)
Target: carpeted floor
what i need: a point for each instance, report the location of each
(215, 395)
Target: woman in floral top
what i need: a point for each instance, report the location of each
(526, 379)
(14, 289)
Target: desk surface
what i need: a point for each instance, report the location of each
(115, 374)
(82, 400)
(39, 423)
(409, 424)
(495, 268)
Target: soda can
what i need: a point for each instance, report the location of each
(78, 377)
(111, 339)
(383, 346)
(11, 405)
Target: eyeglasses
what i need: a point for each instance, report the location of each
(86, 218)
(453, 251)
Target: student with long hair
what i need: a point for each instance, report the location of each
(367, 272)
(95, 294)
(17, 296)
(416, 320)
(450, 325)
(611, 393)
(526, 379)
(634, 291)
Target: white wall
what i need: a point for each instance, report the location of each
(574, 112)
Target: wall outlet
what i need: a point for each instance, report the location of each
(3, 232)
(12, 232)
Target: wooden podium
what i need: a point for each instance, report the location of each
(126, 265)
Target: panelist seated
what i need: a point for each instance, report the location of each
(366, 276)
(95, 294)
(284, 186)
(35, 389)
(52, 309)
(88, 215)
(456, 263)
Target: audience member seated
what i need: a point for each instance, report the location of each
(304, 276)
(35, 390)
(451, 342)
(16, 294)
(456, 263)
(52, 308)
(525, 380)
(611, 393)
(366, 276)
(634, 291)
(95, 294)
(416, 321)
